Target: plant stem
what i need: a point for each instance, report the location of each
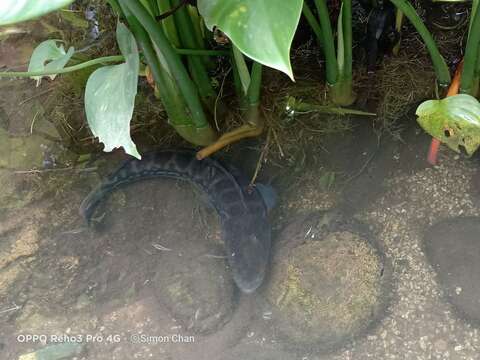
(255, 124)
(472, 13)
(153, 5)
(196, 21)
(101, 60)
(186, 85)
(253, 96)
(242, 70)
(439, 64)
(198, 25)
(471, 61)
(327, 41)
(168, 24)
(341, 92)
(169, 93)
(146, 4)
(253, 93)
(347, 39)
(398, 27)
(237, 81)
(202, 52)
(340, 45)
(197, 68)
(114, 5)
(452, 91)
(312, 21)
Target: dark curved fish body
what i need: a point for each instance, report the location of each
(242, 211)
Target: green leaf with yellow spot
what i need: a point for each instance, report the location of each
(262, 29)
(454, 120)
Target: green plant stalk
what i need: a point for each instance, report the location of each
(168, 24)
(312, 21)
(340, 45)
(253, 95)
(439, 64)
(197, 69)
(476, 77)
(476, 84)
(202, 52)
(341, 92)
(170, 95)
(398, 27)
(186, 85)
(471, 60)
(472, 13)
(115, 6)
(196, 22)
(347, 39)
(327, 41)
(153, 5)
(101, 60)
(160, 75)
(237, 81)
(146, 4)
(242, 70)
(106, 59)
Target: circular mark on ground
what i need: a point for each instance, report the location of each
(327, 283)
(165, 239)
(199, 293)
(453, 249)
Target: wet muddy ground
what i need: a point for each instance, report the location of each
(355, 273)
(150, 280)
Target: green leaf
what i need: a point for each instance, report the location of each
(262, 30)
(110, 97)
(454, 121)
(13, 11)
(49, 57)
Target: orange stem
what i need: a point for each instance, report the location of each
(243, 132)
(452, 90)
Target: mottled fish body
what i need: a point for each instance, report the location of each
(241, 208)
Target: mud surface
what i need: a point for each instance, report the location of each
(452, 247)
(150, 280)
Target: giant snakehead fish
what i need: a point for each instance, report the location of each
(241, 208)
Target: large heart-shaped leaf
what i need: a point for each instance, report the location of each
(262, 30)
(454, 121)
(110, 97)
(12, 11)
(49, 57)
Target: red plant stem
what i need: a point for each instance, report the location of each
(452, 90)
(433, 151)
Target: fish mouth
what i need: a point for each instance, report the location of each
(249, 256)
(248, 286)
